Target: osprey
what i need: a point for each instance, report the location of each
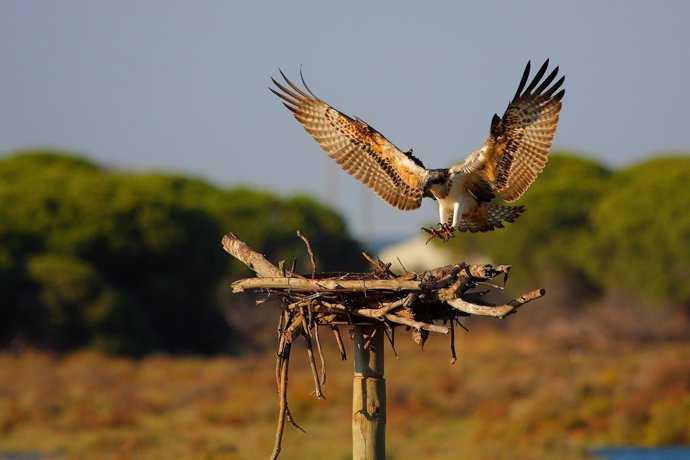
(506, 165)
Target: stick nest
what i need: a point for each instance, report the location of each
(429, 301)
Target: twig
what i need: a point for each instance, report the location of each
(372, 261)
(457, 320)
(339, 341)
(391, 339)
(281, 321)
(453, 356)
(293, 329)
(320, 351)
(292, 422)
(410, 299)
(311, 254)
(380, 266)
(371, 313)
(401, 264)
(530, 296)
(283, 402)
(378, 263)
(369, 337)
(387, 307)
(279, 362)
(312, 362)
(281, 346)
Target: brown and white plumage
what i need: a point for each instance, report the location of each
(507, 164)
(358, 148)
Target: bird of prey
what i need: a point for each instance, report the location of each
(506, 165)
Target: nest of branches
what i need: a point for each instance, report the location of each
(429, 301)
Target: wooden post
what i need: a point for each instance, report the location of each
(369, 395)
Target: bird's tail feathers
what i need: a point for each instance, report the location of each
(489, 216)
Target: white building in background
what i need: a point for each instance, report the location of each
(417, 256)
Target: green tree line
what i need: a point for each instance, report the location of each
(131, 263)
(596, 230)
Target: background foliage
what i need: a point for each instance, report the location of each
(130, 263)
(643, 230)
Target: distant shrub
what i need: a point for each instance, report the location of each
(130, 263)
(642, 228)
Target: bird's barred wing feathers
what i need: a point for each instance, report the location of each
(518, 144)
(397, 177)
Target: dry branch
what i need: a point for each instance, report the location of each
(496, 311)
(311, 254)
(252, 259)
(376, 314)
(320, 285)
(282, 389)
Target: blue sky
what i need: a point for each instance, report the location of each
(182, 85)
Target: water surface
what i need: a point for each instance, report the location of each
(644, 453)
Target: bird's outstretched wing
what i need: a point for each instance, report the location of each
(397, 177)
(519, 142)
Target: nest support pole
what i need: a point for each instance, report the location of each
(369, 395)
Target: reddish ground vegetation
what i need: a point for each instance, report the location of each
(510, 395)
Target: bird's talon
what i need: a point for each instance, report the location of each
(444, 232)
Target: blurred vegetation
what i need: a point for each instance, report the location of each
(508, 397)
(130, 263)
(596, 230)
(642, 229)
